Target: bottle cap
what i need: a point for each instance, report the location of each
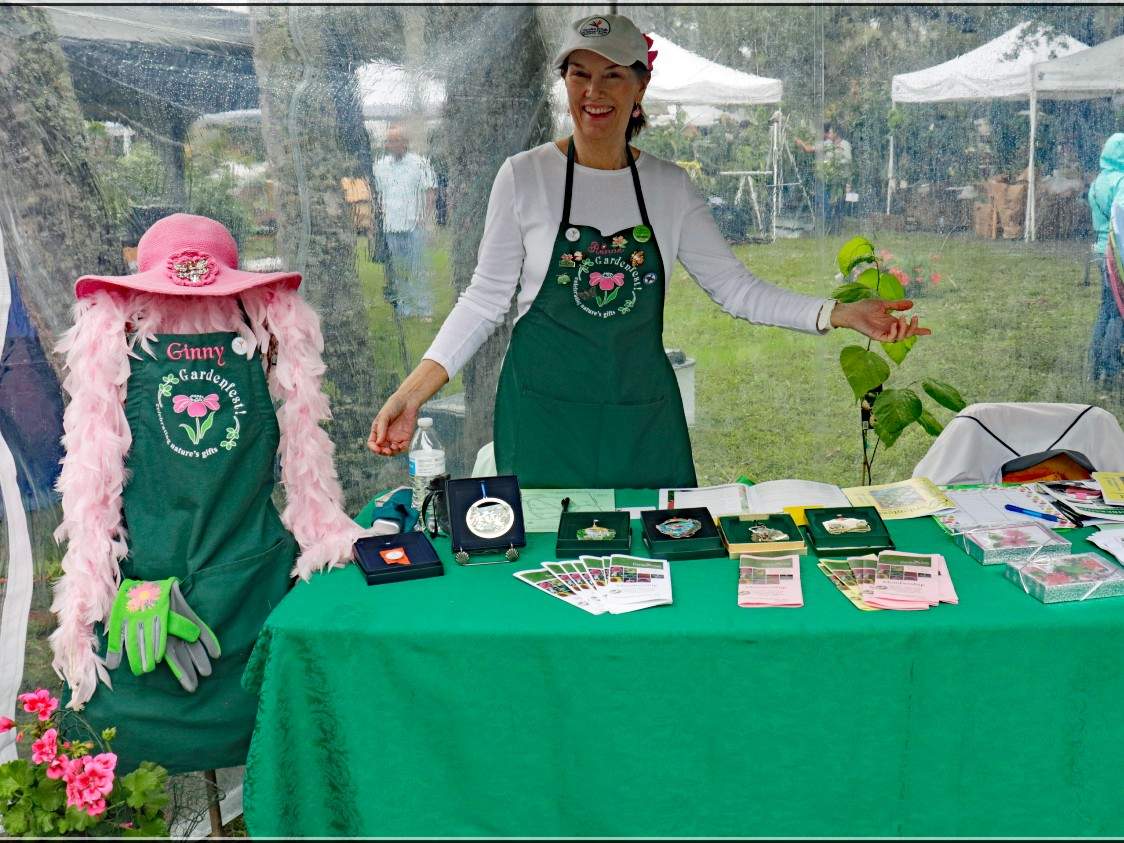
(425, 422)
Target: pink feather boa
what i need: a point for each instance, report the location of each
(97, 439)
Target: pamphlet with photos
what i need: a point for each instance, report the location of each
(598, 584)
(892, 580)
(769, 581)
(911, 498)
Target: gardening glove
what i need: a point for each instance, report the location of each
(140, 622)
(189, 656)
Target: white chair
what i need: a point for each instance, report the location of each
(982, 437)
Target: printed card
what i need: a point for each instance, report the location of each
(769, 581)
(839, 572)
(546, 581)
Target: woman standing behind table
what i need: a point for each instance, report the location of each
(587, 229)
(1108, 332)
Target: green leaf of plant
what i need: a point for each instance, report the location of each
(945, 395)
(854, 251)
(190, 433)
(863, 369)
(43, 821)
(152, 827)
(883, 284)
(79, 820)
(14, 777)
(17, 819)
(897, 351)
(852, 292)
(928, 421)
(145, 786)
(893, 412)
(203, 428)
(50, 795)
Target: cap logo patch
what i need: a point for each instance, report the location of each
(594, 28)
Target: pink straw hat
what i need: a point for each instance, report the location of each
(186, 255)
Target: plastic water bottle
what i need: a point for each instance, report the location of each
(427, 460)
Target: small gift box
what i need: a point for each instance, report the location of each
(688, 533)
(400, 556)
(593, 533)
(1058, 579)
(854, 529)
(761, 535)
(999, 544)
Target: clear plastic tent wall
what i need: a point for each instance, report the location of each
(272, 120)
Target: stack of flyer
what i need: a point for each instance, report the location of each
(892, 580)
(769, 581)
(598, 584)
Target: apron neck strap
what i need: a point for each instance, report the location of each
(570, 158)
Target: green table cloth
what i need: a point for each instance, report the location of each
(471, 704)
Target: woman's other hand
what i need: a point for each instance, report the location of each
(395, 423)
(875, 318)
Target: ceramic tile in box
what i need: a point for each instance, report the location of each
(1056, 579)
(1002, 543)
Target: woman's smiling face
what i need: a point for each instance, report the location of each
(601, 95)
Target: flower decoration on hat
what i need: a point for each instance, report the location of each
(192, 269)
(651, 53)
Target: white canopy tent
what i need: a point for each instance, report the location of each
(683, 78)
(999, 69)
(1088, 74)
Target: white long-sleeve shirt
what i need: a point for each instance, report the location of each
(522, 221)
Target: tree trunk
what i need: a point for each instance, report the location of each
(55, 225)
(304, 90)
(512, 114)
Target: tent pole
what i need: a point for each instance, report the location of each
(1029, 225)
(777, 117)
(890, 174)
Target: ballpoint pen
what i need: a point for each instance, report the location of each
(1033, 512)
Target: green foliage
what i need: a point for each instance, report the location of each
(893, 412)
(893, 409)
(945, 395)
(863, 369)
(855, 251)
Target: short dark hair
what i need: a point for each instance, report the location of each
(635, 124)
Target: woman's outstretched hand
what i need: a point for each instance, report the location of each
(392, 428)
(875, 318)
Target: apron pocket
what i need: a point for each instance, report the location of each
(645, 446)
(236, 597)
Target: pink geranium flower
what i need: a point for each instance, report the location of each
(196, 405)
(58, 768)
(605, 281)
(39, 702)
(6, 724)
(89, 780)
(44, 750)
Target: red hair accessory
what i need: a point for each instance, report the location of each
(651, 53)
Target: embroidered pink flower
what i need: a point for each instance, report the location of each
(143, 596)
(606, 282)
(196, 405)
(39, 702)
(44, 750)
(6, 724)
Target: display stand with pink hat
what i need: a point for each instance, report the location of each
(171, 435)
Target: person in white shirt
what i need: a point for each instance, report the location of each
(407, 191)
(834, 166)
(586, 229)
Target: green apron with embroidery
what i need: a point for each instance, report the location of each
(197, 506)
(587, 397)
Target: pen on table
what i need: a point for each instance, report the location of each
(1036, 514)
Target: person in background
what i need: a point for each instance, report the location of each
(834, 163)
(1108, 331)
(407, 192)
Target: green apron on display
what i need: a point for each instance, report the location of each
(197, 506)
(587, 397)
